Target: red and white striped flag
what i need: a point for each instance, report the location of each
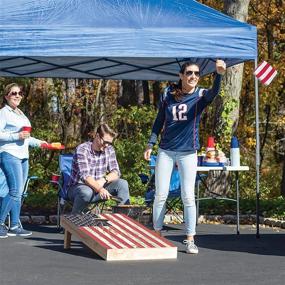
(124, 232)
(265, 73)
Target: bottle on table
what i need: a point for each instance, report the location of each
(235, 152)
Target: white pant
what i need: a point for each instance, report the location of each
(187, 167)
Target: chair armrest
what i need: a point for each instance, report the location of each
(32, 177)
(29, 178)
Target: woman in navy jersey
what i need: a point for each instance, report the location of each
(177, 122)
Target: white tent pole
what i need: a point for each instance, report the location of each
(257, 163)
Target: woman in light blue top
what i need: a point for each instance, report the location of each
(14, 158)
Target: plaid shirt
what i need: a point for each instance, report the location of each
(87, 162)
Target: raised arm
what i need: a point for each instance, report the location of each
(210, 94)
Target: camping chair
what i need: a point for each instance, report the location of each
(25, 192)
(61, 182)
(65, 164)
(174, 196)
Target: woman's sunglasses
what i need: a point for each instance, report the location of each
(14, 93)
(191, 72)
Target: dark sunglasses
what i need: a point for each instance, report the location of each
(14, 93)
(106, 143)
(191, 72)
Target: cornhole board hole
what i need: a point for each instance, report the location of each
(116, 237)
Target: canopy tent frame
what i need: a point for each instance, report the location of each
(87, 72)
(257, 151)
(122, 39)
(90, 72)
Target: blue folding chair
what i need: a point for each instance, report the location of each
(25, 191)
(65, 165)
(174, 196)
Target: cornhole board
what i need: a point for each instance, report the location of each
(116, 237)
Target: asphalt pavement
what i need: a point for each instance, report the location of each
(224, 258)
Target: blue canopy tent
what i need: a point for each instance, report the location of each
(120, 39)
(117, 39)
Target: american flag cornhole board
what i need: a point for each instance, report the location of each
(117, 237)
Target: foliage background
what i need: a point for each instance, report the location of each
(66, 110)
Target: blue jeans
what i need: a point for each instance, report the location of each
(187, 167)
(81, 195)
(16, 172)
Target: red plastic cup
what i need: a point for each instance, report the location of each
(27, 129)
(55, 178)
(211, 142)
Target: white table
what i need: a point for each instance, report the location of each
(223, 168)
(236, 169)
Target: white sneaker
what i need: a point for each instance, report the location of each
(18, 231)
(191, 247)
(3, 231)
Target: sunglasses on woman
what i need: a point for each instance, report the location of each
(14, 93)
(191, 72)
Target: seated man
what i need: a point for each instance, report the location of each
(95, 172)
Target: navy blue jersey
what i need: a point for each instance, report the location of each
(178, 122)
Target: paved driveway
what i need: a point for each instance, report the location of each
(224, 258)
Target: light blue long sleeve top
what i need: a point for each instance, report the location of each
(11, 123)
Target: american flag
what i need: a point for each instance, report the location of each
(117, 237)
(124, 232)
(265, 73)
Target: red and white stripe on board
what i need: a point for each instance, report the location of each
(124, 232)
(265, 73)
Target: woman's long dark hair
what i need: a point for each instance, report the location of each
(176, 89)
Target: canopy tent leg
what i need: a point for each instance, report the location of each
(257, 163)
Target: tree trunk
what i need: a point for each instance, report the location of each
(146, 93)
(227, 104)
(156, 92)
(133, 93)
(227, 112)
(66, 122)
(139, 92)
(103, 97)
(89, 111)
(120, 90)
(238, 9)
(128, 96)
(283, 179)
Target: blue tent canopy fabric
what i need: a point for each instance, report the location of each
(121, 39)
(117, 39)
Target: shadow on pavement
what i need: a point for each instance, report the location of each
(267, 244)
(80, 250)
(51, 239)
